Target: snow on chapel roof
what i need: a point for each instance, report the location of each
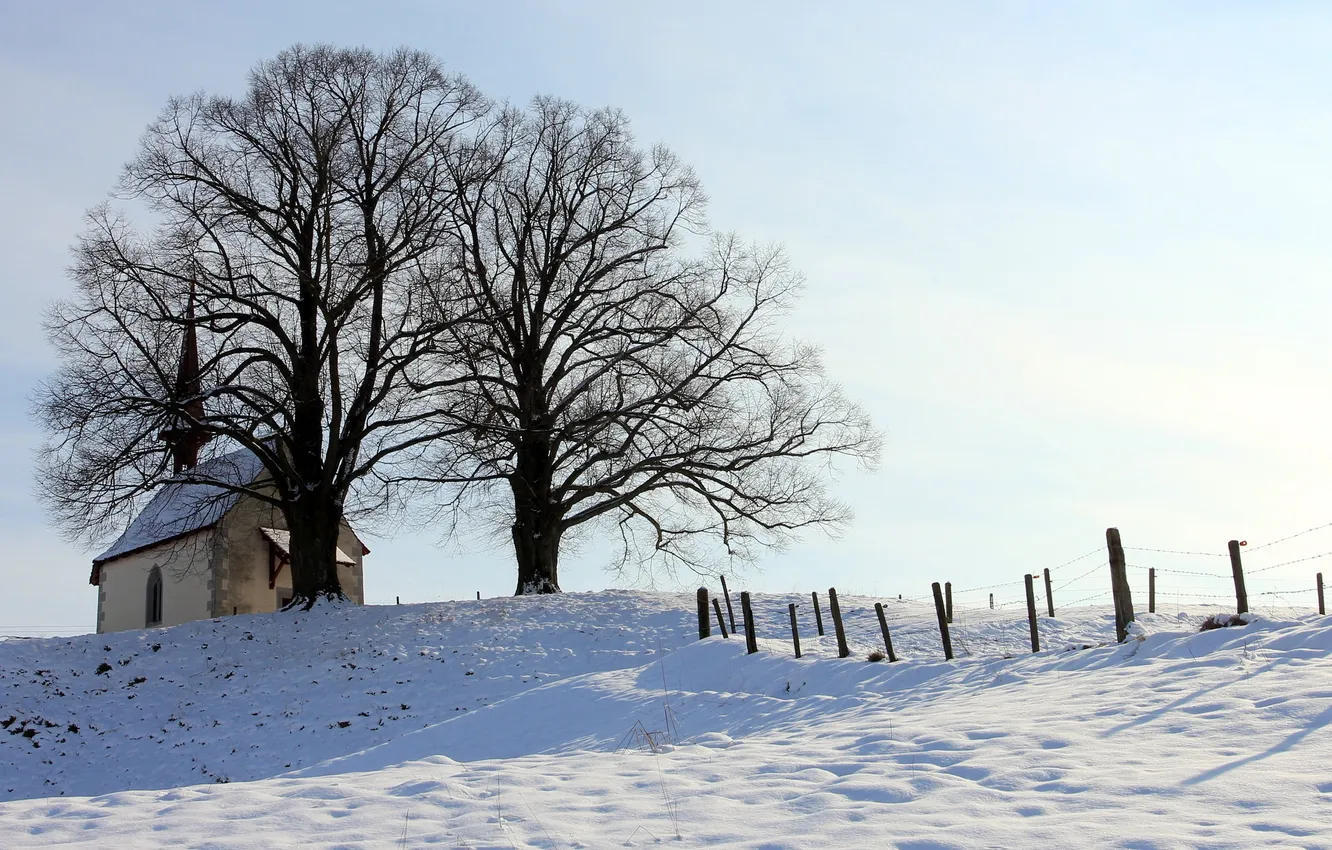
(184, 507)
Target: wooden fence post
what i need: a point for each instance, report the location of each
(991, 601)
(818, 615)
(703, 615)
(943, 620)
(721, 623)
(1321, 609)
(1031, 615)
(1151, 590)
(842, 649)
(948, 600)
(1119, 584)
(1049, 593)
(795, 630)
(478, 596)
(1237, 570)
(883, 626)
(751, 639)
(397, 600)
(727, 593)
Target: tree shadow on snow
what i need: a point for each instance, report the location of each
(1317, 723)
(1160, 711)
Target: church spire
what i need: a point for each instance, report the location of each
(187, 437)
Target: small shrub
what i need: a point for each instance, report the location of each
(876, 655)
(1222, 621)
(103, 668)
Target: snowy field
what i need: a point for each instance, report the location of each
(599, 720)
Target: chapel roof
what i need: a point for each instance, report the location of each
(183, 507)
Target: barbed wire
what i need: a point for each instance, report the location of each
(1079, 578)
(986, 587)
(1176, 551)
(1290, 537)
(1087, 599)
(1079, 558)
(1167, 571)
(1179, 572)
(21, 632)
(1287, 563)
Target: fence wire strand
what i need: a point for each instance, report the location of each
(1176, 552)
(1078, 558)
(1287, 563)
(1163, 591)
(1079, 578)
(1290, 537)
(1160, 570)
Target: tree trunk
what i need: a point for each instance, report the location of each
(536, 525)
(537, 547)
(314, 525)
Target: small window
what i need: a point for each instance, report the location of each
(154, 606)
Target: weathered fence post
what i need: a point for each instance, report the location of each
(1151, 590)
(1119, 584)
(751, 639)
(991, 601)
(818, 615)
(727, 593)
(1031, 615)
(478, 596)
(948, 600)
(943, 620)
(883, 626)
(842, 649)
(703, 615)
(795, 630)
(1237, 570)
(721, 622)
(397, 600)
(1049, 594)
(1321, 609)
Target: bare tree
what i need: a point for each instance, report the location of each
(295, 239)
(625, 368)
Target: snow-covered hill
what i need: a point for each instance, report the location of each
(587, 720)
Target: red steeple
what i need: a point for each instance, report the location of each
(187, 437)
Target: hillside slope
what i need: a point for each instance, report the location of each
(592, 719)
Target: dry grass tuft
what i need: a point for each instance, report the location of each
(876, 655)
(1222, 621)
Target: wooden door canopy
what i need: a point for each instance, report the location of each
(279, 553)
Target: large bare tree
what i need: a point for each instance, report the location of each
(625, 368)
(298, 234)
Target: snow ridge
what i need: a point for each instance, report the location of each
(589, 719)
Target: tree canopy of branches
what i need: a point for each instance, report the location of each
(389, 284)
(622, 367)
(304, 231)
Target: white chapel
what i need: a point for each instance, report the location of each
(201, 550)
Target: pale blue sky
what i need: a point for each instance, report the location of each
(1073, 257)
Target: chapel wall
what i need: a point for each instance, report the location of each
(187, 592)
(241, 561)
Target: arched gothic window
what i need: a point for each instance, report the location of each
(154, 608)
